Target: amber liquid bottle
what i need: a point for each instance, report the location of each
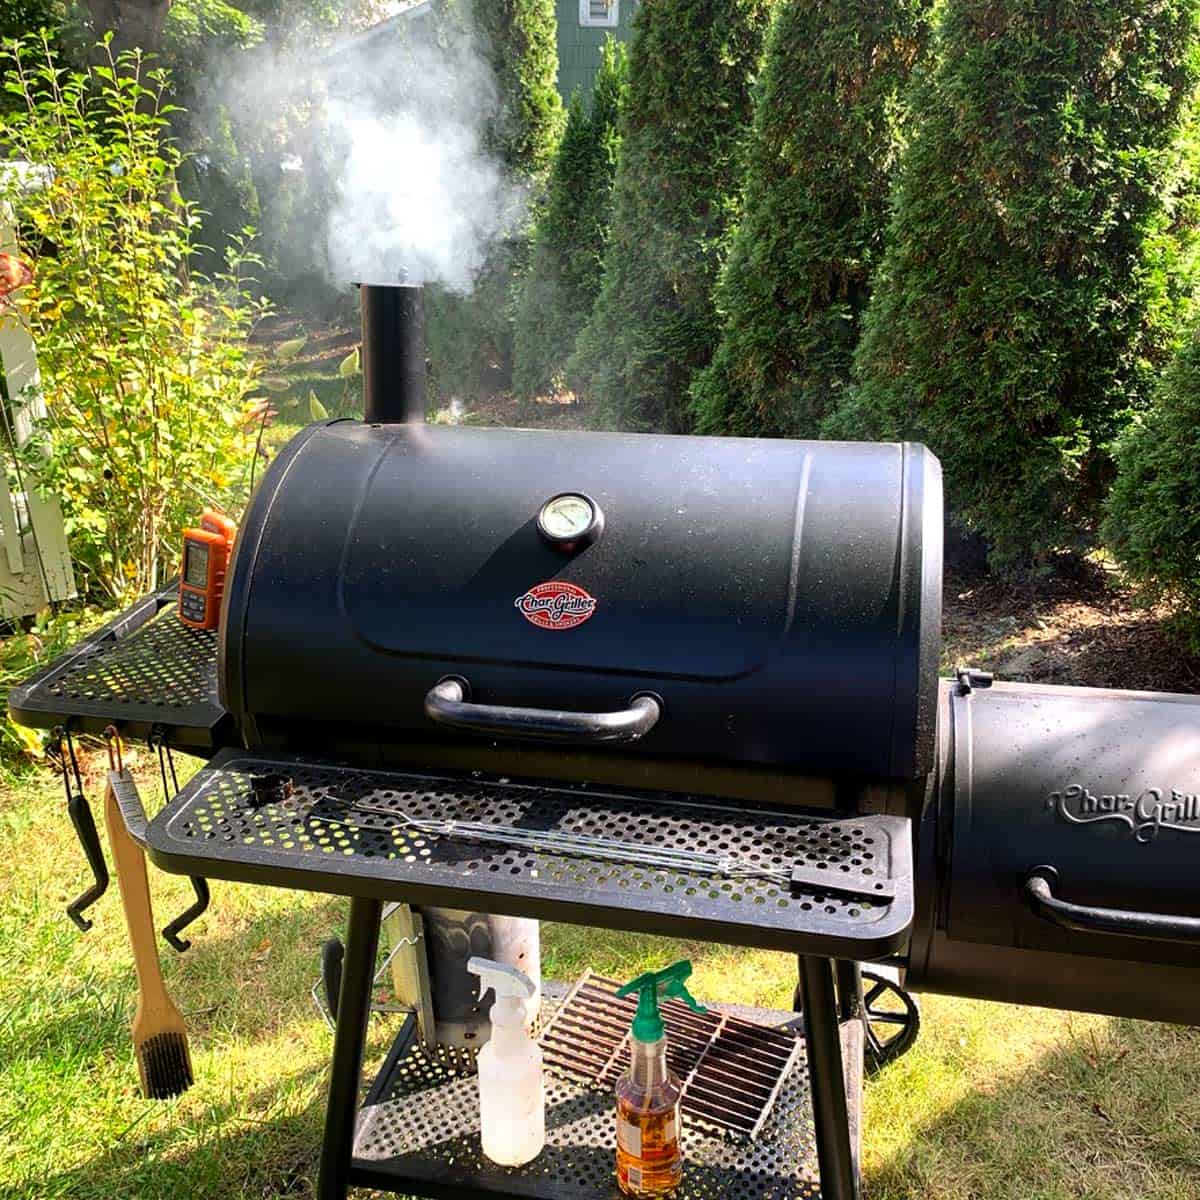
(649, 1158)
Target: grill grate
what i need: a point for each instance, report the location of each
(215, 827)
(731, 1069)
(420, 1125)
(165, 664)
(145, 669)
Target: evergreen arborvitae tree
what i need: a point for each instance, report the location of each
(691, 68)
(794, 287)
(560, 287)
(1152, 523)
(519, 40)
(471, 337)
(1023, 299)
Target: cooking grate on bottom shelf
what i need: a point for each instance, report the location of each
(731, 1069)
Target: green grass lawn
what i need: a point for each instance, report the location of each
(993, 1102)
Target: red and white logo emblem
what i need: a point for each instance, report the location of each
(555, 605)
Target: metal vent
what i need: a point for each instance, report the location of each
(731, 1069)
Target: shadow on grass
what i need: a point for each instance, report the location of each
(221, 1153)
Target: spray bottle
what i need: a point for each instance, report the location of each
(649, 1158)
(512, 1096)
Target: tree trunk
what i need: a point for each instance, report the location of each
(134, 23)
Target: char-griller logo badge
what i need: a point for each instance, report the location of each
(555, 605)
(1145, 812)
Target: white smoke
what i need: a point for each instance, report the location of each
(396, 130)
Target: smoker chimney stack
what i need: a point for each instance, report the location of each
(393, 353)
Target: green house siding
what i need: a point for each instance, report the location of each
(579, 45)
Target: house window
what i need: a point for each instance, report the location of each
(599, 12)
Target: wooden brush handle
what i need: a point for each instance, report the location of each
(130, 863)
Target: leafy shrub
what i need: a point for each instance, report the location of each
(793, 290)
(1153, 512)
(691, 66)
(1024, 299)
(145, 366)
(563, 280)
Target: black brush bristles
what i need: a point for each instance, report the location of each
(166, 1065)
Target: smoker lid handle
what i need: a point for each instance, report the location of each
(1121, 922)
(447, 704)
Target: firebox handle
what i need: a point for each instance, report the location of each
(447, 703)
(1084, 919)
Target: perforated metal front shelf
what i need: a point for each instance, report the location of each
(214, 829)
(419, 1132)
(144, 670)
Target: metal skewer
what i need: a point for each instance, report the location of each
(557, 842)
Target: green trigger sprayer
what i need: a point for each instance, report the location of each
(649, 1159)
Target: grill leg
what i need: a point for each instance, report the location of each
(822, 1043)
(849, 990)
(353, 1011)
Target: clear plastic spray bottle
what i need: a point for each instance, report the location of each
(512, 1096)
(649, 1154)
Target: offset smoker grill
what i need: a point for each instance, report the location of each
(733, 652)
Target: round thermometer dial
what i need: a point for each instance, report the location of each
(569, 519)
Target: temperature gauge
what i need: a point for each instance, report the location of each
(570, 520)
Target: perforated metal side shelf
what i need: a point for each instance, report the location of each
(144, 670)
(419, 1131)
(214, 829)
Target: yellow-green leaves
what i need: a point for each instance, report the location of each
(288, 350)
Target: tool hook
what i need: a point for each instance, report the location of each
(63, 749)
(166, 765)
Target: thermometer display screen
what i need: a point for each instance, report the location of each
(195, 567)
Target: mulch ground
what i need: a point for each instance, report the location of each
(1077, 626)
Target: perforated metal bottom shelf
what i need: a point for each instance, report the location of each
(418, 1132)
(214, 829)
(144, 670)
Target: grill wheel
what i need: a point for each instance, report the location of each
(892, 1022)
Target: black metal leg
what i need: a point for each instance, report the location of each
(839, 1180)
(849, 990)
(353, 1011)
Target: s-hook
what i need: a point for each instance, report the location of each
(166, 763)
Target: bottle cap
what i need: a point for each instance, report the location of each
(648, 1023)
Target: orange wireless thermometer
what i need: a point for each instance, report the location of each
(205, 557)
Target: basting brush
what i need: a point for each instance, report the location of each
(159, 1034)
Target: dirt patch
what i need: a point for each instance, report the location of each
(562, 411)
(325, 347)
(1077, 626)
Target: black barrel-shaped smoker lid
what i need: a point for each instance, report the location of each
(783, 598)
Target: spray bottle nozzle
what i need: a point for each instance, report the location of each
(669, 982)
(509, 983)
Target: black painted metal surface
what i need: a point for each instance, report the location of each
(217, 828)
(144, 671)
(1096, 790)
(393, 352)
(782, 598)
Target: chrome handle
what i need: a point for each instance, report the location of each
(447, 703)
